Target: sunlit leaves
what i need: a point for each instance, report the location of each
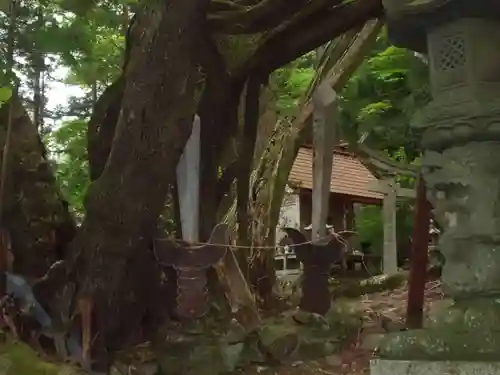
(5, 94)
(383, 96)
(67, 147)
(290, 83)
(79, 7)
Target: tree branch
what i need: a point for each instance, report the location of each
(324, 25)
(213, 109)
(264, 16)
(245, 162)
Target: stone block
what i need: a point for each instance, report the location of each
(392, 367)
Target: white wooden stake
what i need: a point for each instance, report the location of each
(188, 184)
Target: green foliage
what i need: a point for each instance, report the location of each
(382, 97)
(68, 148)
(289, 84)
(5, 94)
(102, 59)
(370, 227)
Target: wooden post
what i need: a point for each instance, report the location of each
(324, 134)
(390, 257)
(188, 184)
(392, 192)
(419, 258)
(350, 225)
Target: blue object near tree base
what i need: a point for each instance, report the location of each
(20, 290)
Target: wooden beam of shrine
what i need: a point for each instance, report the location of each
(383, 164)
(381, 187)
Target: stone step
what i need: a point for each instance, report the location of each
(398, 367)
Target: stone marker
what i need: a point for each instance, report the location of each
(461, 167)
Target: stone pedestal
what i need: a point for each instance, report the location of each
(317, 260)
(381, 367)
(461, 167)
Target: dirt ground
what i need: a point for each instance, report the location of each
(354, 359)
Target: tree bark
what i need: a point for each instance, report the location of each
(124, 203)
(102, 125)
(39, 224)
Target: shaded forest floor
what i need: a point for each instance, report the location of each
(380, 310)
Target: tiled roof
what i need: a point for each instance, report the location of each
(349, 175)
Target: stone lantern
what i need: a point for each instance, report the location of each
(461, 166)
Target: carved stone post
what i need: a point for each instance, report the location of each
(317, 260)
(461, 166)
(191, 264)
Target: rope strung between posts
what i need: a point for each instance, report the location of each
(337, 235)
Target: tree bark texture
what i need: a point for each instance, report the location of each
(35, 215)
(123, 204)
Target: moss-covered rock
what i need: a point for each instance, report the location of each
(315, 336)
(467, 331)
(211, 348)
(17, 358)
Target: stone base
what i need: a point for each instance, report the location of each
(393, 367)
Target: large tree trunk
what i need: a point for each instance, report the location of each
(124, 203)
(35, 214)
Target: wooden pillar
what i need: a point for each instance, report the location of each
(390, 256)
(305, 209)
(350, 225)
(339, 224)
(188, 184)
(324, 134)
(419, 258)
(350, 218)
(338, 213)
(391, 191)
